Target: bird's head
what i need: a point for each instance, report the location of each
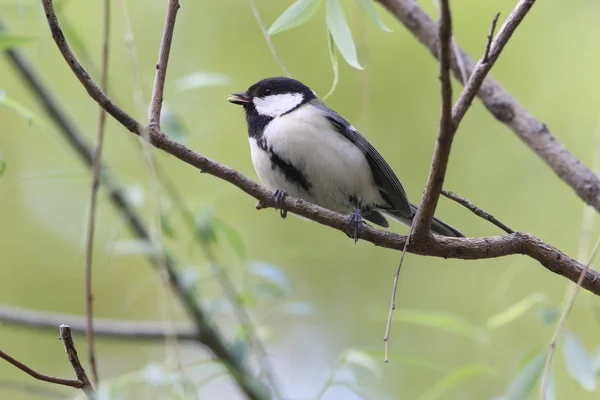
(273, 97)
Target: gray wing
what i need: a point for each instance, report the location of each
(389, 186)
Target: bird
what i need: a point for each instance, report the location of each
(302, 148)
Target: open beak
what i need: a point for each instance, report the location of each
(240, 98)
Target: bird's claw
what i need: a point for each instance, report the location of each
(355, 220)
(279, 197)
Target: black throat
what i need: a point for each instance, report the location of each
(256, 122)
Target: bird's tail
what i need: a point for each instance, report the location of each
(437, 226)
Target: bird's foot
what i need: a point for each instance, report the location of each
(356, 221)
(279, 197)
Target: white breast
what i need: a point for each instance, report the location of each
(335, 167)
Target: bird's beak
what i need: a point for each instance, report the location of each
(240, 98)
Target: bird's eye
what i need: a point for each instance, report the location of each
(267, 92)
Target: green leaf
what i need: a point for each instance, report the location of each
(362, 359)
(205, 226)
(369, 8)
(198, 80)
(273, 280)
(340, 31)
(515, 311)
(334, 65)
(446, 322)
(133, 246)
(297, 14)
(172, 124)
(526, 381)
(165, 224)
(549, 315)
(579, 364)
(453, 378)
(8, 41)
(596, 360)
(231, 235)
(2, 165)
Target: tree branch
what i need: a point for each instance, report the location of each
(476, 210)
(448, 126)
(161, 65)
(41, 377)
(505, 108)
(67, 339)
(441, 154)
(462, 248)
(127, 330)
(208, 334)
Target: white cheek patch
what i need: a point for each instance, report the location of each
(277, 104)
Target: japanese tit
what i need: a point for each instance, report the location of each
(303, 148)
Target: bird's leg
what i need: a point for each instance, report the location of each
(279, 197)
(355, 220)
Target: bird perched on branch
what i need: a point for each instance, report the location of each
(303, 148)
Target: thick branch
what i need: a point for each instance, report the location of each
(41, 377)
(468, 249)
(441, 153)
(505, 108)
(162, 63)
(127, 330)
(67, 339)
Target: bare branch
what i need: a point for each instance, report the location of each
(89, 298)
(476, 210)
(506, 108)
(473, 248)
(118, 329)
(441, 154)
(67, 339)
(447, 129)
(485, 64)
(561, 323)
(161, 65)
(490, 37)
(46, 378)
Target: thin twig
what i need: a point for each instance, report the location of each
(110, 328)
(89, 297)
(473, 248)
(476, 210)
(424, 215)
(41, 377)
(161, 64)
(265, 34)
(561, 323)
(67, 339)
(490, 37)
(388, 326)
(485, 64)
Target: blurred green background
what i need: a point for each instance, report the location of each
(551, 66)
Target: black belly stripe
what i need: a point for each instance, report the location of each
(291, 173)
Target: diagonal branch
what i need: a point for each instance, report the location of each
(468, 249)
(505, 108)
(448, 126)
(161, 65)
(41, 377)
